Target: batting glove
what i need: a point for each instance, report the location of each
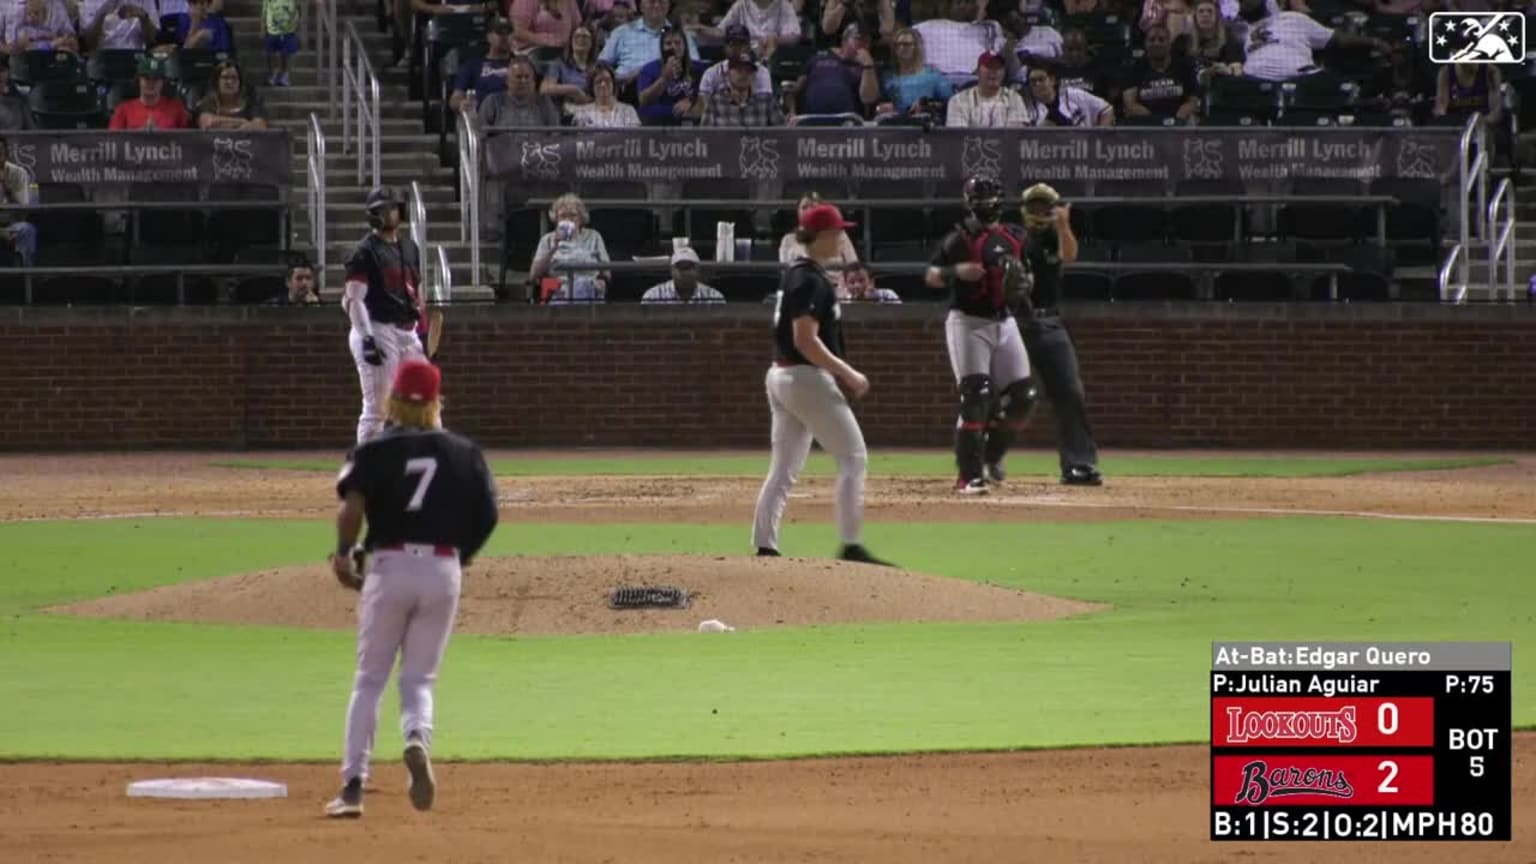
(371, 353)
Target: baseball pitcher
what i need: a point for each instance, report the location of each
(981, 262)
(430, 505)
(384, 302)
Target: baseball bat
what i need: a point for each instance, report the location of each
(434, 331)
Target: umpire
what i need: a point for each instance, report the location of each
(1052, 356)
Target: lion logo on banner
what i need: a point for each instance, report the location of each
(233, 160)
(1203, 159)
(758, 158)
(981, 156)
(1416, 160)
(541, 161)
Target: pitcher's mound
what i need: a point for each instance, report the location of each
(568, 594)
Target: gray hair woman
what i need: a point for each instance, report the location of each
(571, 242)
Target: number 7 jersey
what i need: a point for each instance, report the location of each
(426, 486)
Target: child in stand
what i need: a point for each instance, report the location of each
(280, 20)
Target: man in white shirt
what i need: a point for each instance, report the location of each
(1063, 106)
(953, 45)
(861, 286)
(119, 25)
(684, 286)
(987, 105)
(770, 23)
(737, 41)
(1281, 45)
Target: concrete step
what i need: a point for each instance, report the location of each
(417, 144)
(438, 198)
(438, 231)
(333, 128)
(300, 109)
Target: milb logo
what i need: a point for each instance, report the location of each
(1476, 37)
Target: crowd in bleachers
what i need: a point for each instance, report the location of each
(957, 62)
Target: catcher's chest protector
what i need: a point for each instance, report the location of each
(988, 248)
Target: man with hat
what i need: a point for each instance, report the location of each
(1051, 351)
(770, 23)
(803, 393)
(989, 104)
(842, 81)
(151, 109)
(485, 75)
(429, 501)
(684, 286)
(737, 42)
(738, 104)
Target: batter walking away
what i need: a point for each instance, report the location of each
(384, 302)
(430, 504)
(1052, 243)
(803, 393)
(981, 262)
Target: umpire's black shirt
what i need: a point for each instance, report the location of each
(805, 290)
(423, 486)
(1045, 263)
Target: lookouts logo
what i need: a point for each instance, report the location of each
(1244, 726)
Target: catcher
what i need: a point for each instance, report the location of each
(430, 504)
(981, 263)
(1051, 243)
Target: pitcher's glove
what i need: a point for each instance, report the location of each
(350, 567)
(1018, 284)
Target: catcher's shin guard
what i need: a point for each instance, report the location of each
(1010, 414)
(970, 430)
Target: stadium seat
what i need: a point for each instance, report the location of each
(443, 34)
(1414, 224)
(229, 231)
(701, 222)
(81, 226)
(259, 289)
(1321, 92)
(1155, 285)
(1212, 223)
(168, 229)
(742, 287)
(33, 67)
(1087, 285)
(1369, 279)
(1254, 285)
(1131, 224)
(74, 290)
(58, 104)
(788, 62)
(627, 232)
(111, 66)
(120, 92)
(1238, 101)
(889, 225)
(1321, 222)
(194, 69)
(910, 286)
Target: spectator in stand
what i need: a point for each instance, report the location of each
(16, 188)
(844, 81)
(607, 21)
(684, 286)
(1281, 45)
(151, 109)
(669, 86)
(1076, 68)
(739, 104)
(1051, 105)
(570, 243)
(484, 75)
(953, 45)
(1408, 89)
(1033, 40)
(1209, 44)
(1175, 15)
(770, 23)
(40, 25)
(914, 85)
(605, 111)
(737, 42)
(565, 80)
(872, 16)
(119, 25)
(1161, 85)
(280, 22)
(300, 284)
(230, 105)
(520, 104)
(14, 113)
(792, 250)
(206, 29)
(861, 286)
(988, 105)
(1081, 8)
(1468, 89)
(543, 23)
(635, 45)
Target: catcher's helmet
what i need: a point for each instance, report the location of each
(378, 202)
(984, 198)
(1039, 208)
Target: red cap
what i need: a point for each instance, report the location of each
(823, 217)
(990, 58)
(418, 381)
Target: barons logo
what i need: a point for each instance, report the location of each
(1260, 783)
(1291, 725)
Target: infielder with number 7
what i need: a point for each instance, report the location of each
(430, 504)
(384, 301)
(803, 391)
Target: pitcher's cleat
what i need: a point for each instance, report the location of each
(349, 803)
(973, 486)
(423, 784)
(859, 555)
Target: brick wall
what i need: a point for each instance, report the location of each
(1179, 376)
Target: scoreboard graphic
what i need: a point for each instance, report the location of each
(1345, 741)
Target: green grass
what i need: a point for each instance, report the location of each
(936, 463)
(76, 688)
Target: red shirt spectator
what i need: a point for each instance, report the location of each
(151, 110)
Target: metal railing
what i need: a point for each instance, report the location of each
(1502, 242)
(469, 191)
(360, 85)
(1471, 174)
(444, 279)
(1459, 292)
(325, 48)
(317, 198)
(416, 216)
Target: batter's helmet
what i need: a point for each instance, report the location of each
(984, 198)
(380, 200)
(1039, 208)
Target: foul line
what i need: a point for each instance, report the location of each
(1281, 511)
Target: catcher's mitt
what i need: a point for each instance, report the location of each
(1018, 284)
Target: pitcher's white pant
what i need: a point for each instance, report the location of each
(396, 344)
(407, 607)
(806, 405)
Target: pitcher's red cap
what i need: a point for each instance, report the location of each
(823, 217)
(418, 381)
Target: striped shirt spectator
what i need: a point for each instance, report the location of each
(737, 105)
